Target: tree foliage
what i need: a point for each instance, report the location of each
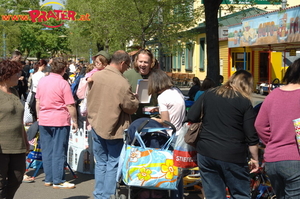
(116, 22)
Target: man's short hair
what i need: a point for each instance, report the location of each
(120, 56)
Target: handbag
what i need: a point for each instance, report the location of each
(192, 135)
(185, 155)
(151, 168)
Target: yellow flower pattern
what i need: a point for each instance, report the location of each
(169, 169)
(144, 174)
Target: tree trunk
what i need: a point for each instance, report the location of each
(212, 39)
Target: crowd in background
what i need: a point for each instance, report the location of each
(62, 94)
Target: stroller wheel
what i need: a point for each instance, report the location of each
(122, 196)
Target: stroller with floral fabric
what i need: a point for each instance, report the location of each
(146, 161)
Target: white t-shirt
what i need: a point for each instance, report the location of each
(172, 100)
(36, 78)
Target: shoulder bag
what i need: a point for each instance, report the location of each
(192, 135)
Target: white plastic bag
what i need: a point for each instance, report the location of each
(184, 155)
(83, 107)
(27, 118)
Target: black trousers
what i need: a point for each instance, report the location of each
(12, 169)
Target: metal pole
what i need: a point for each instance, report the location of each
(245, 59)
(91, 61)
(4, 42)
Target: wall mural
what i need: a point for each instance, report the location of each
(271, 28)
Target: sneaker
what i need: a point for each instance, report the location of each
(48, 184)
(65, 185)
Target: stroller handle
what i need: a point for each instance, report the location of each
(140, 128)
(171, 125)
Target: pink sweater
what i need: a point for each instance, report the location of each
(274, 125)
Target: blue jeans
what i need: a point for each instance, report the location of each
(285, 178)
(216, 175)
(106, 153)
(54, 145)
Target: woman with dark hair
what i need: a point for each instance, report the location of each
(55, 107)
(170, 99)
(226, 137)
(13, 138)
(171, 107)
(194, 89)
(37, 75)
(274, 125)
(206, 84)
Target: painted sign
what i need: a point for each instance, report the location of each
(271, 28)
(248, 2)
(39, 16)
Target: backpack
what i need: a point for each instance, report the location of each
(82, 88)
(74, 85)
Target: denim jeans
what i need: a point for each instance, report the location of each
(12, 169)
(216, 175)
(285, 178)
(54, 145)
(106, 153)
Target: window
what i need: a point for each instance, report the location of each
(240, 60)
(202, 53)
(189, 57)
(183, 58)
(174, 62)
(179, 60)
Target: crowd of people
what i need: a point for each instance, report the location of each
(227, 145)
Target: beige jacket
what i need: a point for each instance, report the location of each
(110, 103)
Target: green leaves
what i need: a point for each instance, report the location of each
(116, 22)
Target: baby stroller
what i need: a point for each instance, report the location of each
(260, 183)
(145, 133)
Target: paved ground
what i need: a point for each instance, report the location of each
(84, 188)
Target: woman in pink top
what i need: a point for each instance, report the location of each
(55, 107)
(274, 125)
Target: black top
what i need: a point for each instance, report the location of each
(26, 70)
(193, 90)
(228, 127)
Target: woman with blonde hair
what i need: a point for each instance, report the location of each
(227, 135)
